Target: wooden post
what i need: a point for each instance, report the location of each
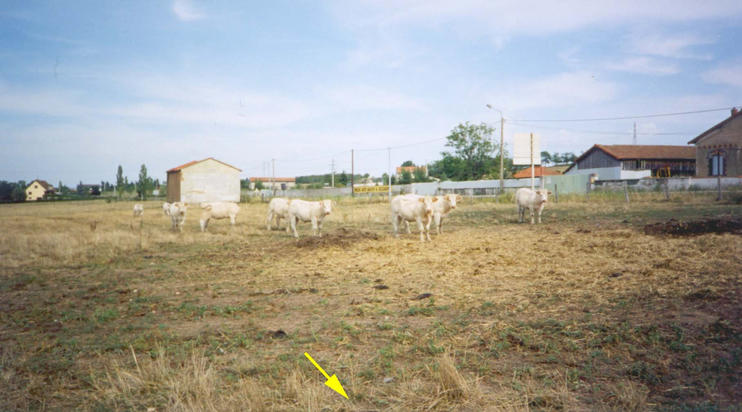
(587, 191)
(556, 193)
(626, 190)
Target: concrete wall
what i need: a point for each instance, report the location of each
(209, 181)
(603, 173)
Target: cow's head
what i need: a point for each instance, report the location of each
(543, 195)
(428, 203)
(452, 199)
(327, 206)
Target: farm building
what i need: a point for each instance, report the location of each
(619, 162)
(207, 180)
(37, 189)
(411, 170)
(719, 149)
(539, 171)
(279, 183)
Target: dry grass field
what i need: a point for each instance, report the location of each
(102, 311)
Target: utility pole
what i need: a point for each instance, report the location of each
(332, 168)
(502, 154)
(352, 172)
(273, 176)
(634, 133)
(532, 168)
(389, 171)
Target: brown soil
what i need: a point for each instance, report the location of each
(338, 237)
(675, 227)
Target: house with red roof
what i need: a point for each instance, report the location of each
(207, 180)
(621, 162)
(719, 149)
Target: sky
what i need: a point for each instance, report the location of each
(86, 86)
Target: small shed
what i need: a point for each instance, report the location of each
(207, 180)
(719, 149)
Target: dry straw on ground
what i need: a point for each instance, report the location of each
(584, 312)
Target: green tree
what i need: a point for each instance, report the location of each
(144, 183)
(405, 178)
(472, 144)
(119, 181)
(407, 163)
(419, 175)
(546, 158)
(19, 192)
(343, 179)
(259, 184)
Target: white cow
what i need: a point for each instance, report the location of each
(166, 208)
(408, 209)
(218, 210)
(306, 211)
(442, 206)
(138, 209)
(278, 208)
(534, 200)
(177, 213)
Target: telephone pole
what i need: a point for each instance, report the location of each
(635, 133)
(352, 172)
(332, 170)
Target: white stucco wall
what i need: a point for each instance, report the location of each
(210, 181)
(635, 174)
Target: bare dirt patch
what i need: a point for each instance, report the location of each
(675, 227)
(339, 237)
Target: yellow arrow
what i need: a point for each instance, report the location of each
(332, 381)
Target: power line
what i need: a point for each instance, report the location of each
(605, 132)
(644, 116)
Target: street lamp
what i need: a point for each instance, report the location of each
(502, 147)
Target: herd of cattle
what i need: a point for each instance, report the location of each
(423, 210)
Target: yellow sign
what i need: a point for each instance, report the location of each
(332, 381)
(370, 189)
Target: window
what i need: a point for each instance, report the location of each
(717, 165)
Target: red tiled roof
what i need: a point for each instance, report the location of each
(537, 172)
(275, 179)
(193, 162)
(43, 184)
(735, 115)
(626, 152)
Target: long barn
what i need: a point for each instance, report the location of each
(207, 180)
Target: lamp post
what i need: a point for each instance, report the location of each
(502, 148)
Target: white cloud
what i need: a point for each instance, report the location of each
(185, 11)
(362, 97)
(533, 17)
(728, 74)
(643, 65)
(558, 91)
(676, 45)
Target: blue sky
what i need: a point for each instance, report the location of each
(88, 85)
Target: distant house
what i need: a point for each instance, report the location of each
(539, 171)
(719, 149)
(37, 189)
(411, 170)
(207, 180)
(85, 189)
(279, 183)
(619, 162)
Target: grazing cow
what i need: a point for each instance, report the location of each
(177, 213)
(534, 200)
(442, 206)
(306, 211)
(218, 210)
(138, 209)
(278, 208)
(166, 208)
(408, 209)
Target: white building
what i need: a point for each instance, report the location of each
(207, 180)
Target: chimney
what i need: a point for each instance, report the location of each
(734, 111)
